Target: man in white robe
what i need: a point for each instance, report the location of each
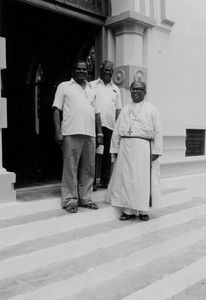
(135, 147)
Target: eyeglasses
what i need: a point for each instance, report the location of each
(137, 90)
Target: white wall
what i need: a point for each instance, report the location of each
(119, 6)
(140, 6)
(175, 59)
(177, 64)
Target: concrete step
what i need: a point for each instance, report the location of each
(30, 203)
(92, 241)
(46, 223)
(108, 271)
(70, 280)
(178, 281)
(92, 255)
(66, 253)
(20, 233)
(166, 277)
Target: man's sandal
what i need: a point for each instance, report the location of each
(143, 217)
(125, 217)
(71, 208)
(90, 205)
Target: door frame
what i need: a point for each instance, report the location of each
(64, 9)
(100, 42)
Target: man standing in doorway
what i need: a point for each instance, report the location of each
(75, 115)
(109, 100)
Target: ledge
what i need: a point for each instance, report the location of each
(130, 17)
(182, 167)
(186, 160)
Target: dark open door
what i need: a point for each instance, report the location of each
(41, 47)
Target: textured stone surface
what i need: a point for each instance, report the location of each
(136, 276)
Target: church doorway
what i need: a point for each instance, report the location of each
(41, 48)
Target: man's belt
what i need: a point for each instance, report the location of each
(136, 137)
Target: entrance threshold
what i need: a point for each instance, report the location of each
(51, 191)
(38, 192)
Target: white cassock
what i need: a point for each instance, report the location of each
(130, 186)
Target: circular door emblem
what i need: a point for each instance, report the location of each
(119, 77)
(139, 76)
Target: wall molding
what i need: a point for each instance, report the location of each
(142, 7)
(63, 9)
(130, 17)
(152, 10)
(163, 18)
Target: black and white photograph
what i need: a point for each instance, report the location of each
(102, 150)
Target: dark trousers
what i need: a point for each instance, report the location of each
(105, 159)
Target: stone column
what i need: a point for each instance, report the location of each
(128, 28)
(7, 179)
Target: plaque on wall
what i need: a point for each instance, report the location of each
(139, 76)
(124, 75)
(119, 77)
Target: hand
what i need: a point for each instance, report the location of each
(59, 139)
(154, 157)
(100, 140)
(113, 157)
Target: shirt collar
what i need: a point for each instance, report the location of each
(99, 80)
(87, 82)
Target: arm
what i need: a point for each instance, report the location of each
(57, 124)
(118, 104)
(98, 125)
(157, 144)
(57, 114)
(117, 113)
(115, 140)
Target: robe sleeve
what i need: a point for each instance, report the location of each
(115, 140)
(157, 143)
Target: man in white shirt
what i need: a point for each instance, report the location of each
(109, 99)
(75, 115)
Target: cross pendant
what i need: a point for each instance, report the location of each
(130, 131)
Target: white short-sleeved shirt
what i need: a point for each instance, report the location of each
(79, 108)
(109, 100)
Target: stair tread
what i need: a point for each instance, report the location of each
(133, 280)
(86, 231)
(78, 255)
(89, 269)
(55, 213)
(134, 229)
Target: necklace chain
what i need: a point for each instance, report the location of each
(135, 118)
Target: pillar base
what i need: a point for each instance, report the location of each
(7, 192)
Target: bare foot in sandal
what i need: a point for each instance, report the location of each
(71, 208)
(125, 217)
(90, 205)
